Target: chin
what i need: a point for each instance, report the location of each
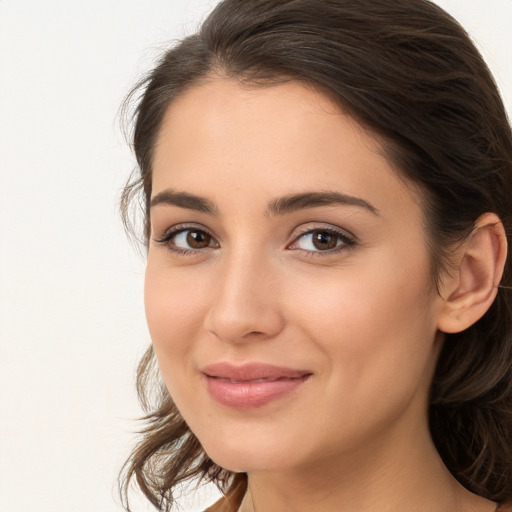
(247, 457)
(244, 463)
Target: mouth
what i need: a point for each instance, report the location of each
(235, 381)
(251, 385)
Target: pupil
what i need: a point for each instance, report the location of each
(198, 239)
(324, 240)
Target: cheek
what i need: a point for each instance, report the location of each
(173, 313)
(374, 327)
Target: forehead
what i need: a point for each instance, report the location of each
(279, 139)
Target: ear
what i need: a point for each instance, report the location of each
(471, 289)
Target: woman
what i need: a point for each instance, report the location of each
(327, 195)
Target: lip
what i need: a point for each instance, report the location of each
(252, 384)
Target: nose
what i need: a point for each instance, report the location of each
(245, 301)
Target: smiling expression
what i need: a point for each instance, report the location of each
(288, 286)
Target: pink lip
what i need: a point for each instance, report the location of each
(252, 384)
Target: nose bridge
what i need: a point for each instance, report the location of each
(244, 301)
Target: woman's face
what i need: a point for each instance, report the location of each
(288, 290)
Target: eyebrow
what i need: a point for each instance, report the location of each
(184, 200)
(294, 202)
(277, 207)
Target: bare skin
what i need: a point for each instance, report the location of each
(358, 313)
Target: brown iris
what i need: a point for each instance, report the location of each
(198, 239)
(324, 240)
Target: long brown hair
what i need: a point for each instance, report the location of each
(407, 71)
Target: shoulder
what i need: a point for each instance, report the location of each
(233, 498)
(224, 505)
(221, 506)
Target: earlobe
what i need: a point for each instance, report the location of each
(471, 289)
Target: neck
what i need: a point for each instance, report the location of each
(389, 475)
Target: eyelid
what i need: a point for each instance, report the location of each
(321, 226)
(350, 240)
(175, 230)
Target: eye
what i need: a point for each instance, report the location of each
(185, 240)
(322, 240)
(192, 239)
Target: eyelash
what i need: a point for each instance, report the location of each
(171, 233)
(348, 241)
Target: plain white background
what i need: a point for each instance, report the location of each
(71, 307)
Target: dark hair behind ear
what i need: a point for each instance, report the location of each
(408, 72)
